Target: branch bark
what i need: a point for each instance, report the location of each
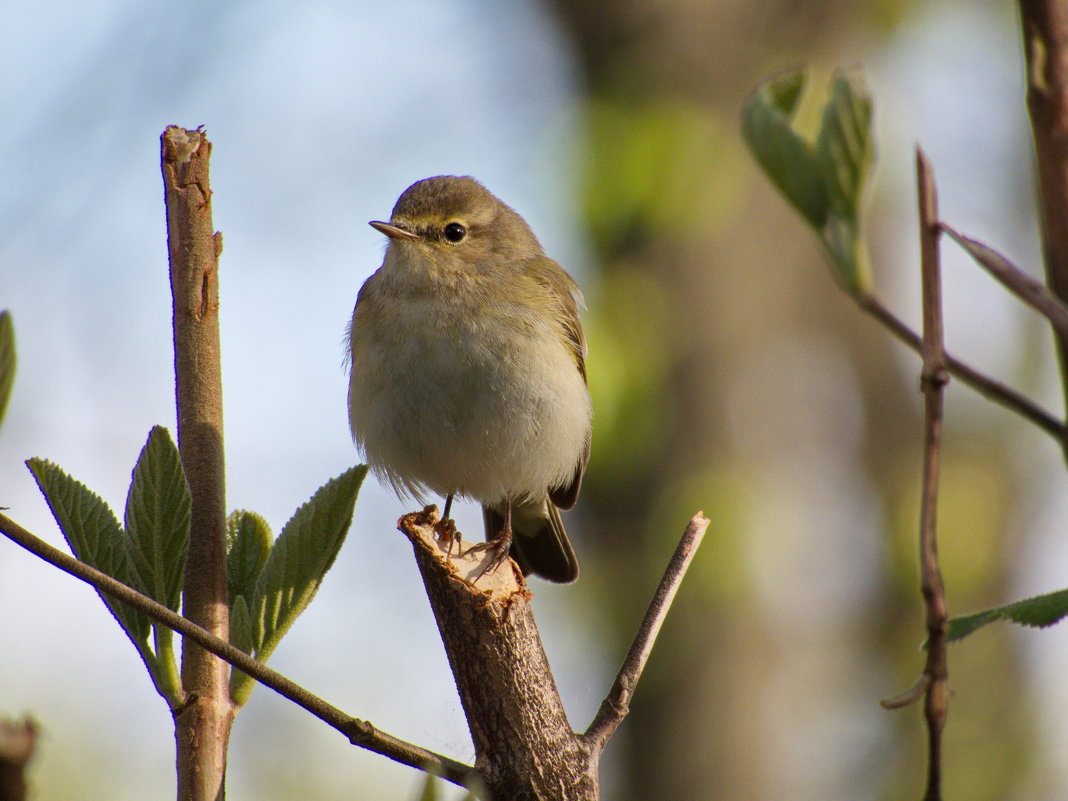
(202, 725)
(525, 748)
(1034, 293)
(1044, 24)
(933, 380)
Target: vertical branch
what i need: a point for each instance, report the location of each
(1044, 24)
(202, 725)
(933, 380)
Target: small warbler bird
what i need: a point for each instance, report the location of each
(468, 370)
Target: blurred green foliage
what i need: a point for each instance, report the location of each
(825, 179)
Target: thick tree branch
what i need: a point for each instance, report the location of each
(202, 726)
(617, 703)
(359, 732)
(524, 746)
(933, 381)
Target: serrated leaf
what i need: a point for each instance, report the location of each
(301, 555)
(7, 360)
(787, 159)
(94, 535)
(248, 544)
(243, 637)
(1038, 612)
(157, 520)
(241, 633)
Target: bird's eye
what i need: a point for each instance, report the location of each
(455, 232)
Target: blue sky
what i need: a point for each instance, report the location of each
(321, 113)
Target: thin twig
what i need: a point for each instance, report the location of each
(616, 704)
(359, 732)
(1034, 293)
(989, 388)
(933, 380)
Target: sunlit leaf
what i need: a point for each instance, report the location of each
(787, 159)
(94, 535)
(157, 520)
(825, 180)
(301, 555)
(844, 147)
(242, 636)
(248, 544)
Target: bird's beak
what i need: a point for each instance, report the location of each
(392, 231)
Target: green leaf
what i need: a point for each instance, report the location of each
(303, 553)
(844, 147)
(157, 520)
(787, 159)
(242, 636)
(241, 630)
(845, 154)
(824, 180)
(248, 544)
(1039, 612)
(7, 360)
(94, 535)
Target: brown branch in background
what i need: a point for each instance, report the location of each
(933, 380)
(1033, 293)
(17, 742)
(617, 703)
(989, 388)
(202, 727)
(359, 732)
(1044, 24)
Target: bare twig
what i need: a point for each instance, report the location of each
(202, 726)
(989, 388)
(933, 381)
(1033, 293)
(616, 704)
(359, 732)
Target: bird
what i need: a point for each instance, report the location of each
(468, 370)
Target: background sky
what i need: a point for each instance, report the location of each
(321, 114)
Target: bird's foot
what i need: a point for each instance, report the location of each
(497, 550)
(447, 535)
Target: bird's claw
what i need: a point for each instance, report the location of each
(497, 548)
